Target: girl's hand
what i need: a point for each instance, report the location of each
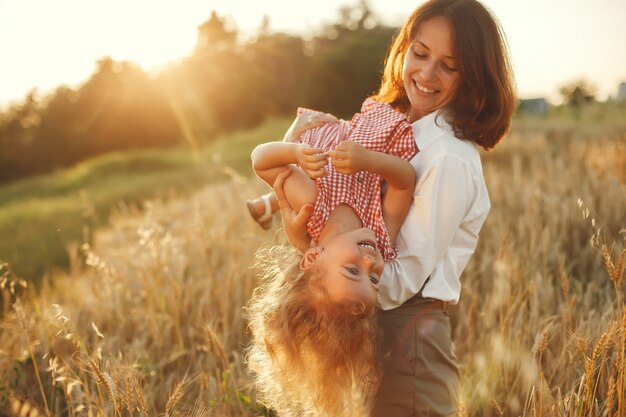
(305, 122)
(313, 161)
(350, 157)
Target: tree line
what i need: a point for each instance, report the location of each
(227, 83)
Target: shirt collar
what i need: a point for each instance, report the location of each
(429, 128)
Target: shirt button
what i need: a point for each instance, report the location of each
(355, 201)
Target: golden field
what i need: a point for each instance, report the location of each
(149, 320)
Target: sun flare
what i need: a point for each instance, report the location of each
(150, 34)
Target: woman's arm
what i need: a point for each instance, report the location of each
(439, 234)
(294, 222)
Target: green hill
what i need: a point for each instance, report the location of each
(41, 216)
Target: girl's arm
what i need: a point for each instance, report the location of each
(349, 157)
(270, 159)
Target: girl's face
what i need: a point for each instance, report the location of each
(430, 72)
(351, 265)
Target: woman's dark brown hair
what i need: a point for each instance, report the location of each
(485, 97)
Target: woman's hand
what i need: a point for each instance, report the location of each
(307, 121)
(294, 224)
(350, 157)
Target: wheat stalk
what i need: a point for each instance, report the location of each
(176, 395)
(140, 397)
(103, 379)
(591, 369)
(497, 408)
(610, 397)
(621, 373)
(615, 270)
(19, 310)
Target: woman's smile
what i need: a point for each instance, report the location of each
(430, 71)
(424, 89)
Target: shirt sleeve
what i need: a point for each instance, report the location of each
(443, 196)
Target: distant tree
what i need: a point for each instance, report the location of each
(18, 127)
(226, 84)
(120, 107)
(277, 66)
(578, 92)
(359, 16)
(215, 78)
(215, 34)
(347, 61)
(58, 141)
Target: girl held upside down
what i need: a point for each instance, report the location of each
(312, 319)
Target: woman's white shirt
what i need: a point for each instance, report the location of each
(440, 232)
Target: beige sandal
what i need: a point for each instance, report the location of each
(265, 220)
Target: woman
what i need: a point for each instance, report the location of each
(448, 70)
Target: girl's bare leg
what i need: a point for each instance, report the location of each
(258, 206)
(299, 189)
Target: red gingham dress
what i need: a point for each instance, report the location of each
(379, 127)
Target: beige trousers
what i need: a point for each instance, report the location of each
(421, 376)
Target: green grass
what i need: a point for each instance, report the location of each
(41, 216)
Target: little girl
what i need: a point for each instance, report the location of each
(312, 321)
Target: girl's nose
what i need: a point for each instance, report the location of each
(369, 260)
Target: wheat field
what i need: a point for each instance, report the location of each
(150, 321)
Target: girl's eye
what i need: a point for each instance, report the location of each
(353, 271)
(449, 68)
(373, 279)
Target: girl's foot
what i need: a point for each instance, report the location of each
(261, 210)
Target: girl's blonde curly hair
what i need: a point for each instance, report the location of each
(309, 356)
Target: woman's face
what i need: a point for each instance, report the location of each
(430, 73)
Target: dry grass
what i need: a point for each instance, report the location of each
(150, 322)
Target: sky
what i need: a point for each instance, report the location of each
(46, 43)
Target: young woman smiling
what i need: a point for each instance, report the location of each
(448, 70)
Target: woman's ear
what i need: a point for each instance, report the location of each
(309, 258)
